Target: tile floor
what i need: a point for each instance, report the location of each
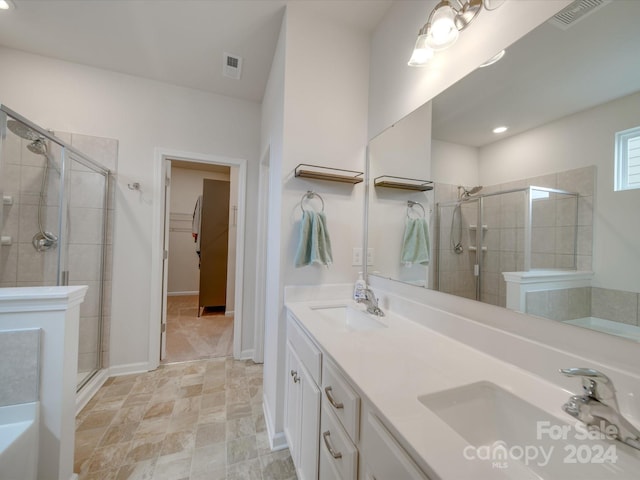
(190, 337)
(195, 420)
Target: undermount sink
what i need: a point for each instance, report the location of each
(349, 318)
(521, 441)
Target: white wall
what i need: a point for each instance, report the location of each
(322, 121)
(142, 115)
(272, 138)
(396, 89)
(186, 186)
(454, 164)
(583, 139)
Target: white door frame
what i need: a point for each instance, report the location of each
(157, 247)
(261, 260)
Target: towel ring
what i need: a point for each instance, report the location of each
(411, 204)
(310, 194)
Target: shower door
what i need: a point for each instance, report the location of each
(503, 239)
(83, 254)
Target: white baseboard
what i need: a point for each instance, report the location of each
(229, 313)
(87, 392)
(128, 369)
(74, 476)
(182, 294)
(277, 441)
(247, 354)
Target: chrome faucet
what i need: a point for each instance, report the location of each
(598, 407)
(370, 300)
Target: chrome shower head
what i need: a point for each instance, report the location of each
(39, 147)
(22, 130)
(464, 193)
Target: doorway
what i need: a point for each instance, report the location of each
(211, 330)
(201, 200)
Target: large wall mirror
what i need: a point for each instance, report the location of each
(529, 218)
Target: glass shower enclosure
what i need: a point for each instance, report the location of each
(482, 236)
(53, 221)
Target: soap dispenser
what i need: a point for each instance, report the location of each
(359, 288)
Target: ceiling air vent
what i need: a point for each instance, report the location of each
(575, 12)
(231, 66)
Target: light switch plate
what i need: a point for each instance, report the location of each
(356, 258)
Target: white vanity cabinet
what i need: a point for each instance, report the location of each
(382, 457)
(332, 432)
(339, 426)
(302, 401)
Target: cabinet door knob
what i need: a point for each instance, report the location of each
(329, 392)
(327, 444)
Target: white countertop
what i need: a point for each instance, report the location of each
(392, 367)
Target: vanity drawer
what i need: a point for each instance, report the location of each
(338, 455)
(382, 455)
(341, 399)
(309, 354)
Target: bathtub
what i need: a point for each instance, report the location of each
(607, 326)
(19, 425)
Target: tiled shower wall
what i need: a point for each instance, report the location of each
(553, 233)
(573, 303)
(20, 264)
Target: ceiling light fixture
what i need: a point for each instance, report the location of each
(6, 4)
(443, 27)
(500, 129)
(494, 59)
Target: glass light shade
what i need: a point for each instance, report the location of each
(442, 31)
(4, 5)
(422, 53)
(496, 58)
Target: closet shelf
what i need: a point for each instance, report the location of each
(326, 173)
(403, 183)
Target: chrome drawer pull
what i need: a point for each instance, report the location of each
(329, 392)
(333, 453)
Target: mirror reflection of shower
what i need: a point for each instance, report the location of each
(456, 230)
(42, 240)
(464, 193)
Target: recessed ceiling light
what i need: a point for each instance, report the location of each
(499, 129)
(493, 59)
(6, 4)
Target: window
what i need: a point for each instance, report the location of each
(628, 159)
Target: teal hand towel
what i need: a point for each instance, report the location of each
(314, 245)
(415, 244)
